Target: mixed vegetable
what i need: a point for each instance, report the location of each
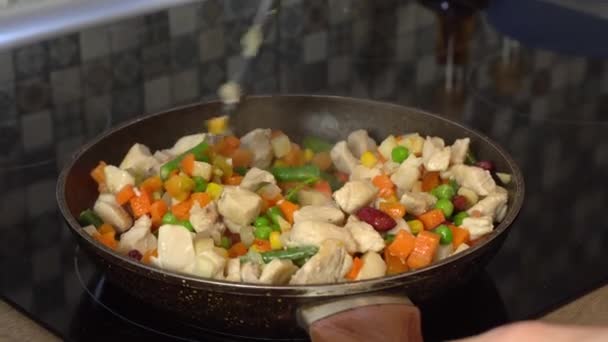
(262, 209)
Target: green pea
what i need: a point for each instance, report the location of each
(446, 234)
(443, 191)
(446, 206)
(261, 221)
(169, 218)
(262, 232)
(226, 242)
(399, 154)
(458, 218)
(200, 184)
(241, 170)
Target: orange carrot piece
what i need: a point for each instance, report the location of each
(383, 182)
(394, 265)
(386, 193)
(288, 209)
(425, 246)
(202, 198)
(227, 145)
(393, 209)
(158, 209)
(125, 194)
(151, 184)
(181, 210)
(241, 157)
(187, 164)
(430, 180)
(106, 228)
(322, 160)
(295, 156)
(107, 239)
(432, 218)
(402, 246)
(262, 245)
(323, 187)
(459, 235)
(140, 205)
(97, 173)
(233, 180)
(237, 250)
(355, 269)
(149, 254)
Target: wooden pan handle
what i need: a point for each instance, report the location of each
(364, 318)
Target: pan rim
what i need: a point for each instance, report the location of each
(317, 290)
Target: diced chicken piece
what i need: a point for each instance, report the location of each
(478, 226)
(278, 272)
(417, 203)
(359, 142)
(250, 272)
(355, 195)
(324, 267)
(233, 270)
(319, 213)
(210, 264)
(138, 237)
(462, 247)
(163, 156)
(239, 206)
(258, 141)
(491, 205)
(255, 177)
(90, 229)
(443, 251)
(401, 225)
(386, 147)
(202, 243)
(366, 237)
(116, 178)
(313, 233)
(202, 169)
(138, 159)
(175, 248)
(417, 187)
(373, 266)
(435, 156)
(474, 178)
(390, 167)
(110, 212)
(346, 266)
(281, 145)
(352, 219)
(408, 173)
(342, 158)
(312, 197)
(501, 212)
(187, 142)
(205, 220)
(360, 172)
(460, 147)
(413, 142)
(469, 194)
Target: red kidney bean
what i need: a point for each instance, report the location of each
(460, 203)
(486, 165)
(134, 254)
(376, 218)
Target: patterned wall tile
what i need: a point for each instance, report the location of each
(97, 114)
(211, 44)
(233, 32)
(67, 120)
(127, 34)
(212, 75)
(127, 103)
(126, 67)
(157, 94)
(211, 13)
(10, 146)
(315, 16)
(156, 60)
(94, 43)
(315, 47)
(339, 11)
(64, 52)
(31, 60)
(33, 95)
(66, 85)
(156, 28)
(237, 9)
(341, 38)
(339, 69)
(184, 19)
(8, 105)
(184, 52)
(36, 131)
(185, 86)
(7, 72)
(97, 76)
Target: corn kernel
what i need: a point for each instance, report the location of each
(275, 240)
(254, 248)
(392, 199)
(279, 163)
(214, 190)
(221, 251)
(415, 226)
(368, 159)
(217, 125)
(308, 154)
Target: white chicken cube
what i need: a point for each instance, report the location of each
(413, 142)
(389, 167)
(209, 264)
(138, 237)
(366, 237)
(324, 267)
(373, 266)
(138, 159)
(321, 213)
(313, 233)
(278, 272)
(205, 220)
(491, 205)
(250, 272)
(175, 249)
(110, 212)
(346, 266)
(116, 179)
(460, 147)
(233, 270)
(258, 141)
(406, 175)
(256, 177)
(386, 147)
(202, 169)
(355, 195)
(342, 157)
(360, 172)
(187, 142)
(313, 197)
(443, 251)
(401, 225)
(462, 247)
(359, 142)
(239, 206)
(281, 145)
(478, 226)
(435, 156)
(474, 178)
(417, 203)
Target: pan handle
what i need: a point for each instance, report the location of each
(362, 318)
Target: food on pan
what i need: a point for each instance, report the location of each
(263, 209)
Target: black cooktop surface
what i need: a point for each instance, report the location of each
(548, 109)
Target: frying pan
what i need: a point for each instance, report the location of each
(366, 310)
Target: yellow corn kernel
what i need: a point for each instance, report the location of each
(254, 248)
(275, 240)
(221, 251)
(214, 190)
(368, 159)
(308, 154)
(217, 125)
(279, 163)
(415, 226)
(392, 198)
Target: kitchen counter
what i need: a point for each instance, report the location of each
(590, 309)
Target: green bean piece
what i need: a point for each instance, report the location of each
(293, 253)
(333, 181)
(186, 224)
(274, 213)
(470, 158)
(296, 173)
(88, 217)
(316, 144)
(173, 164)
